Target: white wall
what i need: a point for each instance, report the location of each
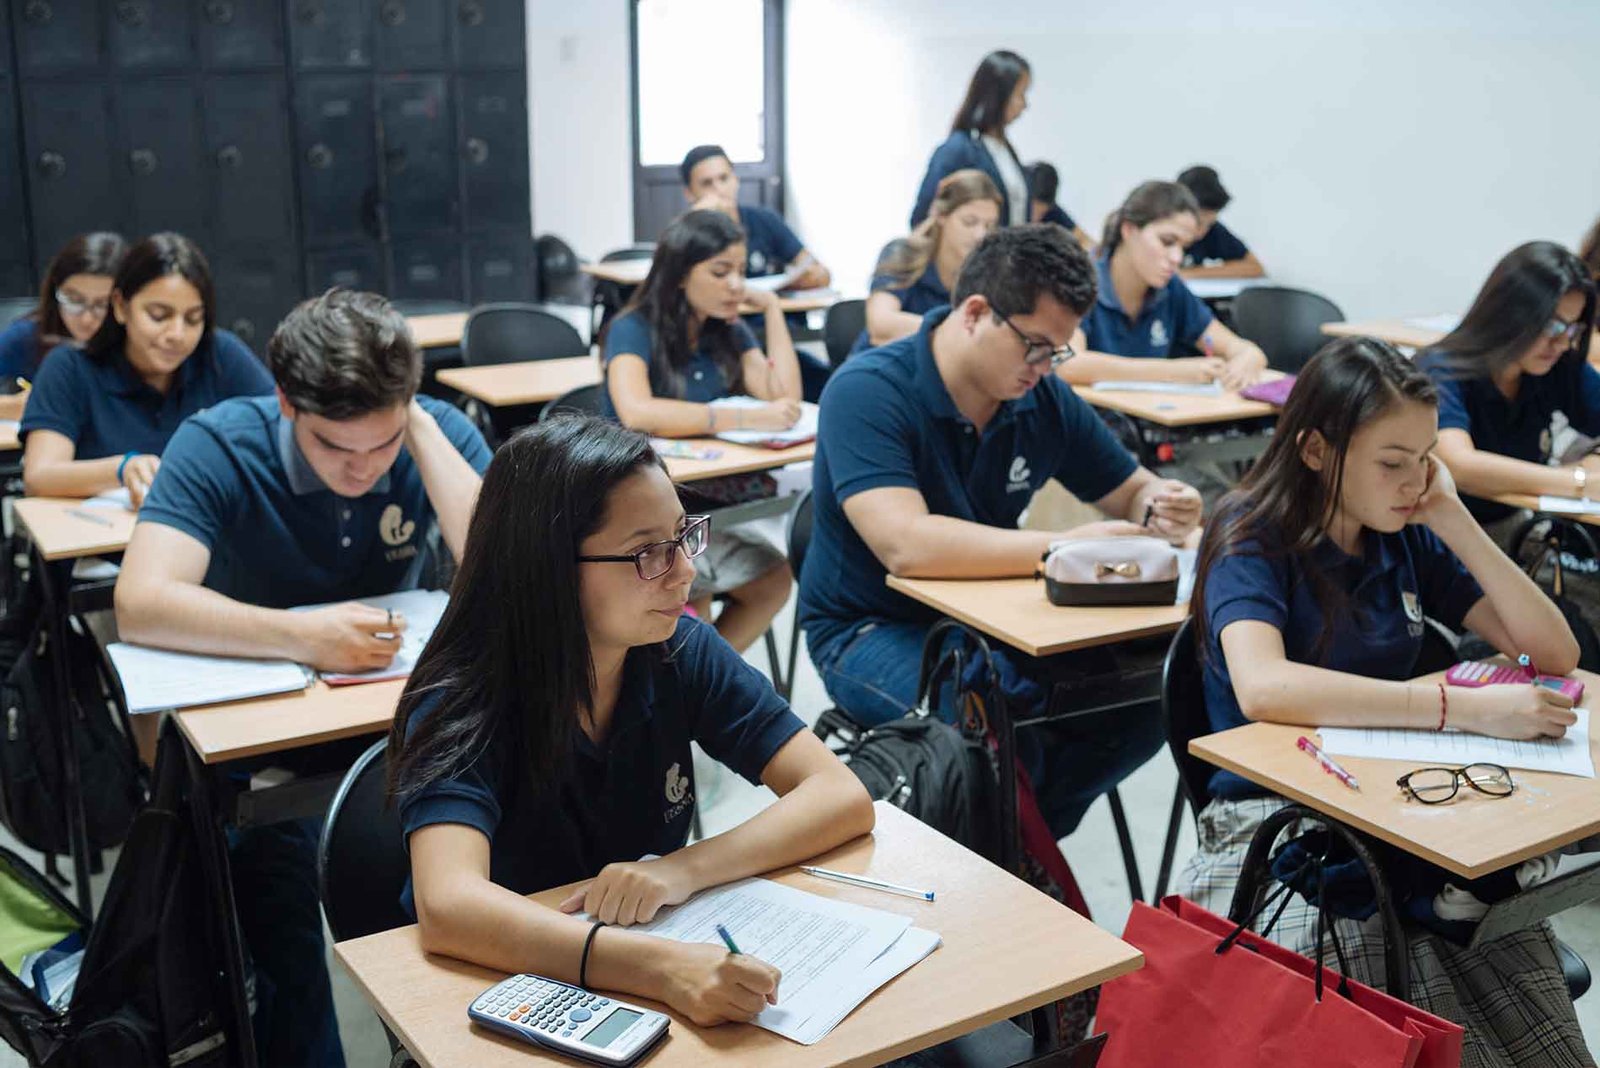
(1383, 157)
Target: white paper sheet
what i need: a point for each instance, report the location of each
(804, 429)
(1569, 506)
(156, 679)
(1186, 389)
(1221, 288)
(117, 498)
(1442, 323)
(1568, 755)
(421, 609)
(772, 283)
(832, 954)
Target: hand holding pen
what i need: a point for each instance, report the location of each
(1173, 511)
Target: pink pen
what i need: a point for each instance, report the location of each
(1329, 765)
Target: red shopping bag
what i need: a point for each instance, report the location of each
(1192, 1006)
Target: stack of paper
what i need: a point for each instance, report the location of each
(1569, 506)
(1185, 389)
(804, 430)
(154, 680)
(1568, 755)
(832, 954)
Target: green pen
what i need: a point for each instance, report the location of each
(727, 939)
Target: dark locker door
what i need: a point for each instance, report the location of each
(241, 33)
(14, 255)
(336, 156)
(427, 269)
(148, 34)
(66, 128)
(355, 265)
(5, 36)
(494, 150)
(157, 164)
(248, 156)
(326, 34)
(501, 268)
(55, 36)
(489, 33)
(256, 287)
(412, 34)
(419, 157)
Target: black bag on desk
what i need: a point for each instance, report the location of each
(33, 793)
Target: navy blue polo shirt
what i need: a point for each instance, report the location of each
(1517, 428)
(703, 380)
(1055, 213)
(919, 298)
(235, 480)
(769, 244)
(631, 796)
(1399, 579)
(962, 150)
(1171, 317)
(107, 410)
(1218, 245)
(890, 422)
(19, 351)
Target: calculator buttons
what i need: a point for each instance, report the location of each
(580, 1015)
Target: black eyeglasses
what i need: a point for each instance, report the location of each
(657, 558)
(1559, 327)
(1435, 786)
(1039, 352)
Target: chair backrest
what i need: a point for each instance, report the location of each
(1183, 713)
(560, 280)
(362, 864)
(844, 322)
(509, 333)
(632, 252)
(14, 308)
(583, 399)
(1286, 323)
(798, 534)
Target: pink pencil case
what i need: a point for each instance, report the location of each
(1477, 673)
(1275, 392)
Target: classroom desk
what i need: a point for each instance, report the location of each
(633, 272)
(1007, 949)
(1179, 410)
(1394, 331)
(319, 713)
(9, 441)
(735, 459)
(58, 534)
(1531, 503)
(437, 331)
(1207, 288)
(505, 385)
(1016, 611)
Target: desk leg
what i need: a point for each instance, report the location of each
(64, 722)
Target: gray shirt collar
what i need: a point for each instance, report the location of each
(303, 478)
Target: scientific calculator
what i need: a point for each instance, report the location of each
(569, 1019)
(1477, 673)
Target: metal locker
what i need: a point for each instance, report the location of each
(247, 156)
(412, 34)
(419, 157)
(356, 265)
(256, 288)
(336, 156)
(5, 36)
(157, 162)
(427, 269)
(54, 36)
(13, 208)
(494, 150)
(325, 34)
(146, 34)
(66, 128)
(16, 279)
(489, 33)
(241, 33)
(501, 268)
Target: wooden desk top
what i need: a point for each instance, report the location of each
(437, 331)
(1178, 409)
(62, 535)
(527, 382)
(1394, 331)
(1472, 836)
(1017, 612)
(9, 442)
(735, 459)
(1007, 948)
(319, 713)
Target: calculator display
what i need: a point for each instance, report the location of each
(619, 1021)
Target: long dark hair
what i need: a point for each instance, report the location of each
(1284, 506)
(1150, 202)
(1512, 309)
(97, 253)
(984, 108)
(689, 240)
(510, 659)
(155, 257)
(1589, 251)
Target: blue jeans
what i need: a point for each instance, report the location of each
(275, 888)
(871, 672)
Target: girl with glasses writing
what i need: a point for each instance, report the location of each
(543, 738)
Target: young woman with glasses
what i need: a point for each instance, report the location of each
(543, 738)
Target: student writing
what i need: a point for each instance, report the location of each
(100, 417)
(996, 97)
(1216, 251)
(544, 736)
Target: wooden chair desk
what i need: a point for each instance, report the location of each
(1178, 410)
(1007, 949)
(437, 331)
(61, 530)
(504, 385)
(1017, 612)
(735, 459)
(1394, 331)
(9, 441)
(320, 713)
(633, 272)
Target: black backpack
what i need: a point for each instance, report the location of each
(33, 794)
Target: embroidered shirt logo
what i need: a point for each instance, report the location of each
(394, 528)
(1413, 607)
(1158, 334)
(757, 264)
(1019, 476)
(678, 794)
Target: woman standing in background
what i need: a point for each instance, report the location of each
(996, 97)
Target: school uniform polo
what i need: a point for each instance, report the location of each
(105, 409)
(1055, 213)
(1172, 317)
(1398, 579)
(703, 380)
(769, 244)
(1517, 428)
(962, 150)
(234, 479)
(891, 422)
(1219, 245)
(19, 351)
(924, 294)
(632, 795)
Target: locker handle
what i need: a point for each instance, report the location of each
(38, 12)
(219, 12)
(310, 13)
(395, 159)
(230, 157)
(392, 13)
(52, 164)
(471, 13)
(131, 14)
(477, 151)
(142, 161)
(320, 156)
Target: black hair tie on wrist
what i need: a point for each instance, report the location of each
(583, 965)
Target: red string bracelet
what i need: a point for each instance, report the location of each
(1444, 707)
